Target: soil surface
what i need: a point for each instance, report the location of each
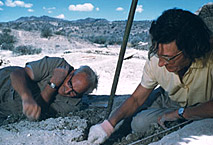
(93, 112)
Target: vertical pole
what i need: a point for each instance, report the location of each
(121, 55)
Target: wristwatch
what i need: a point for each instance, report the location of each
(52, 85)
(180, 112)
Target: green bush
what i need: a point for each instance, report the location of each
(46, 32)
(7, 46)
(98, 39)
(26, 50)
(6, 30)
(105, 39)
(114, 40)
(7, 38)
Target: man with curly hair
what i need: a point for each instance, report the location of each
(178, 77)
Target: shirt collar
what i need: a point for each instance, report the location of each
(201, 62)
(198, 63)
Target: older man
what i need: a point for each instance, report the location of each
(181, 63)
(44, 87)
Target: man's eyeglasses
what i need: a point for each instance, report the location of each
(169, 59)
(71, 86)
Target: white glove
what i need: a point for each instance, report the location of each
(100, 132)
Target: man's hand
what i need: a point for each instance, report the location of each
(31, 109)
(100, 132)
(59, 74)
(171, 116)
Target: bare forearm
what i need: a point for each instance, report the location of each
(123, 112)
(201, 111)
(129, 107)
(47, 93)
(20, 81)
(59, 75)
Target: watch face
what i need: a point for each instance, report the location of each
(52, 85)
(180, 111)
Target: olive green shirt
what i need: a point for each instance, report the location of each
(10, 101)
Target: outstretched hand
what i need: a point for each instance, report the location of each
(31, 109)
(171, 116)
(100, 132)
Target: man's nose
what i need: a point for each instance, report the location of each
(162, 62)
(67, 89)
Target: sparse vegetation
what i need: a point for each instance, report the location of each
(46, 32)
(6, 30)
(6, 40)
(26, 50)
(107, 39)
(99, 31)
(7, 46)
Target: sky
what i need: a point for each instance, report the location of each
(80, 9)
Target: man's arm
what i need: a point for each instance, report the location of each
(59, 75)
(129, 107)
(204, 110)
(200, 111)
(20, 80)
(100, 132)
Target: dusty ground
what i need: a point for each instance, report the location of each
(79, 121)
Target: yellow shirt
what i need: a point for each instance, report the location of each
(196, 86)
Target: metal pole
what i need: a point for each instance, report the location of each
(121, 55)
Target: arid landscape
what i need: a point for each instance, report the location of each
(27, 41)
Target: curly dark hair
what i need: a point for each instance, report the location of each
(190, 32)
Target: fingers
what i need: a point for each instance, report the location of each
(37, 113)
(92, 138)
(161, 122)
(32, 111)
(97, 135)
(34, 115)
(169, 116)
